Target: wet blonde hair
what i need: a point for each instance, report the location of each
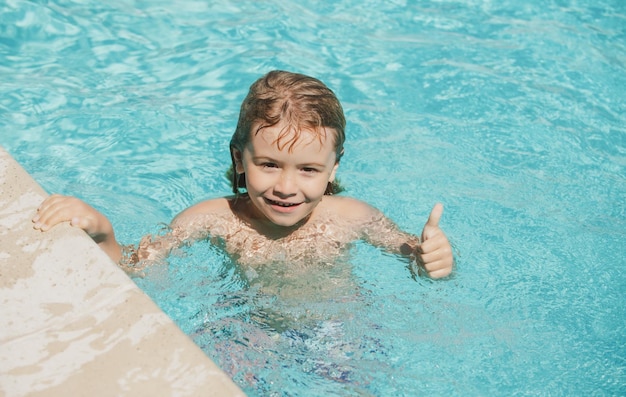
(299, 101)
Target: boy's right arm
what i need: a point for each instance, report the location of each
(56, 209)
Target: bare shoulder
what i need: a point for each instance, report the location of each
(349, 208)
(217, 206)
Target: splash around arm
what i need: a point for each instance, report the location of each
(192, 224)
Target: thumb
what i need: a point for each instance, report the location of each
(80, 222)
(433, 222)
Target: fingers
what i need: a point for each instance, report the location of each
(437, 260)
(436, 240)
(435, 249)
(47, 213)
(444, 272)
(57, 209)
(439, 268)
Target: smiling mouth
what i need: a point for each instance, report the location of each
(281, 204)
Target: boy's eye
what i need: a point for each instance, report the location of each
(309, 169)
(269, 165)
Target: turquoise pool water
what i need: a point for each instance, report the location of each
(512, 114)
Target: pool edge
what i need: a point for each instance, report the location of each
(74, 323)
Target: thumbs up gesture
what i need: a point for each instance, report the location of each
(434, 255)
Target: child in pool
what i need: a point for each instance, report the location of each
(285, 154)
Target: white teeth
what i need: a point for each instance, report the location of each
(282, 204)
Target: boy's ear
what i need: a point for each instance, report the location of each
(333, 172)
(238, 160)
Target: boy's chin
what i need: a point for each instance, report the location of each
(289, 222)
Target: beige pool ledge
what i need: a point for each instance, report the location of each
(73, 324)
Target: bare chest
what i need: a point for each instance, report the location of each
(318, 242)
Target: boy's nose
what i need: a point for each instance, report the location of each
(286, 184)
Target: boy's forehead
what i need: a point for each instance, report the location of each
(289, 137)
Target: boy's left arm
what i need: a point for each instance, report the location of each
(434, 254)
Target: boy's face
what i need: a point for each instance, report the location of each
(285, 185)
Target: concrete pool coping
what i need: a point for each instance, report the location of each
(75, 324)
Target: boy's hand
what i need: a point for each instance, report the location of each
(435, 253)
(56, 209)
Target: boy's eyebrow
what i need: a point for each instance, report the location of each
(270, 159)
(312, 164)
(259, 158)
